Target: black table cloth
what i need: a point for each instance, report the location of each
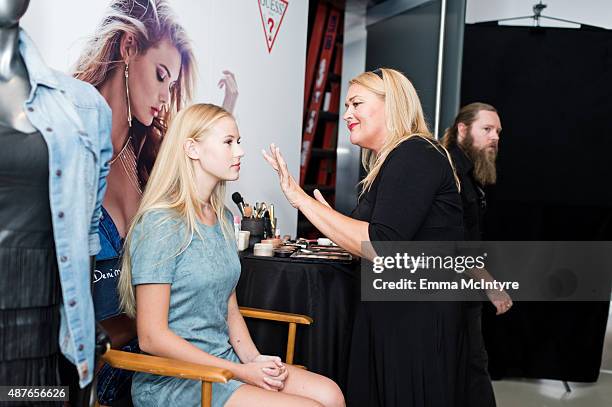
(325, 291)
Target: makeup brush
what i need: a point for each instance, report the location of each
(272, 218)
(237, 198)
(262, 209)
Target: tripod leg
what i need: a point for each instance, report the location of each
(568, 389)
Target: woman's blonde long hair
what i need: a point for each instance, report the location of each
(149, 21)
(172, 189)
(404, 116)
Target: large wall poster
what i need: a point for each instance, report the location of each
(262, 42)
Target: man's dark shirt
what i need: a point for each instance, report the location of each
(472, 195)
(480, 390)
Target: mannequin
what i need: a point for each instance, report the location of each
(54, 153)
(14, 81)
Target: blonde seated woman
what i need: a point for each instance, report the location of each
(180, 270)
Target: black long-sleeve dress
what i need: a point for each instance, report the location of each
(30, 293)
(410, 354)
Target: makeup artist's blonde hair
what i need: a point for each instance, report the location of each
(404, 119)
(172, 189)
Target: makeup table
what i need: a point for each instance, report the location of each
(326, 291)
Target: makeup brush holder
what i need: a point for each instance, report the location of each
(256, 226)
(260, 228)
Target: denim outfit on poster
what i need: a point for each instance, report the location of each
(75, 122)
(113, 384)
(108, 269)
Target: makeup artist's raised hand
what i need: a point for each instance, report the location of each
(292, 190)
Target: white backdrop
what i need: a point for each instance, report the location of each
(226, 34)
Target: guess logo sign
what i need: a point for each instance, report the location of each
(272, 13)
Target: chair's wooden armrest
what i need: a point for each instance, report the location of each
(165, 367)
(275, 315)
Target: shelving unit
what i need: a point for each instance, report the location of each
(321, 103)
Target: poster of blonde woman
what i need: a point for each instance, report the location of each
(150, 59)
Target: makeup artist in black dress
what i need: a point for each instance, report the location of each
(403, 354)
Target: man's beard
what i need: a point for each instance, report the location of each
(483, 160)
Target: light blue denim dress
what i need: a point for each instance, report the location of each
(202, 277)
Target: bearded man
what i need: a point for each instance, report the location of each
(472, 143)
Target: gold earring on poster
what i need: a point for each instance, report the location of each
(127, 95)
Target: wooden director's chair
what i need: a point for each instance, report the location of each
(206, 374)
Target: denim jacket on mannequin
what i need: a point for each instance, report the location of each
(75, 122)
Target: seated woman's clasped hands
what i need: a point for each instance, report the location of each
(267, 372)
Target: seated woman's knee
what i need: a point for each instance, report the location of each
(330, 395)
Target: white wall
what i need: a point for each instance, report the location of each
(593, 12)
(229, 35)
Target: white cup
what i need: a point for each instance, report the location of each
(263, 249)
(243, 239)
